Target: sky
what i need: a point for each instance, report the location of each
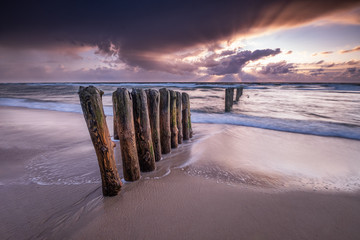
(197, 41)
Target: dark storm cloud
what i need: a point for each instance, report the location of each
(278, 68)
(233, 63)
(138, 30)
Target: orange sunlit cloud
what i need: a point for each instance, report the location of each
(351, 50)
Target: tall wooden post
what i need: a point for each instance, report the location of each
(239, 92)
(142, 131)
(179, 117)
(229, 99)
(123, 112)
(153, 99)
(165, 133)
(115, 120)
(92, 107)
(189, 113)
(173, 125)
(186, 116)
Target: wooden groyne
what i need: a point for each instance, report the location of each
(239, 92)
(173, 120)
(148, 123)
(123, 120)
(92, 107)
(165, 132)
(229, 97)
(186, 124)
(153, 99)
(142, 131)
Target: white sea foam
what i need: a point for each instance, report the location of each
(305, 126)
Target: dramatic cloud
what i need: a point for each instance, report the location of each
(330, 65)
(316, 72)
(277, 68)
(353, 62)
(141, 31)
(233, 64)
(351, 50)
(351, 70)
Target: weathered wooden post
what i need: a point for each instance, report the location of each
(189, 113)
(142, 131)
(123, 112)
(229, 99)
(153, 99)
(116, 136)
(239, 91)
(92, 107)
(165, 133)
(179, 117)
(173, 125)
(186, 116)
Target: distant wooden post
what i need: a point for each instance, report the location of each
(92, 107)
(179, 117)
(173, 125)
(123, 113)
(142, 131)
(153, 99)
(229, 99)
(186, 116)
(239, 91)
(165, 133)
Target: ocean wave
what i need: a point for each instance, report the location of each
(319, 128)
(44, 105)
(210, 115)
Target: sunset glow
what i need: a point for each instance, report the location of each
(279, 41)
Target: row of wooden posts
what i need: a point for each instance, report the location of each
(148, 123)
(229, 97)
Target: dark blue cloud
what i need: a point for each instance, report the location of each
(131, 29)
(233, 63)
(278, 68)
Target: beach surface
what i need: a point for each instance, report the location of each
(228, 182)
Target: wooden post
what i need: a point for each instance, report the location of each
(229, 99)
(142, 131)
(239, 91)
(92, 107)
(165, 133)
(173, 125)
(153, 99)
(185, 116)
(115, 120)
(123, 112)
(179, 117)
(189, 114)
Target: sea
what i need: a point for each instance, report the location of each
(316, 109)
(326, 110)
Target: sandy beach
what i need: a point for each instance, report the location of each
(228, 182)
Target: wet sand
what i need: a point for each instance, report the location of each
(191, 195)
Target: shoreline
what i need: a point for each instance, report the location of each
(196, 200)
